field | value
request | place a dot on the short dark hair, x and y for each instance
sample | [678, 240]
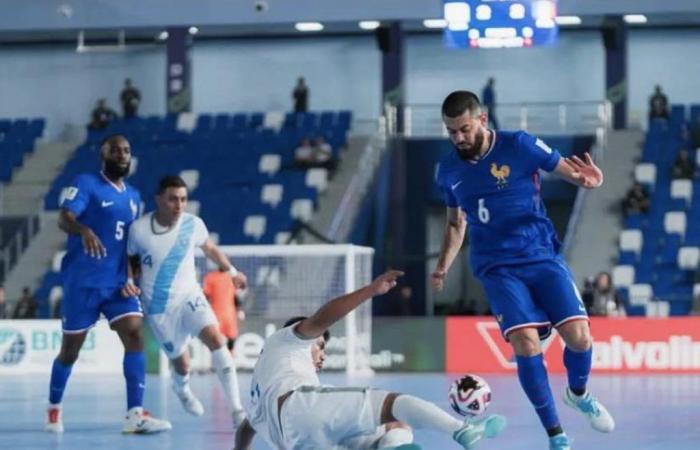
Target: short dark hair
[459, 102]
[169, 181]
[296, 319]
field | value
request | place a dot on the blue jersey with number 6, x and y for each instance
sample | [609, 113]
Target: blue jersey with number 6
[500, 194]
[108, 210]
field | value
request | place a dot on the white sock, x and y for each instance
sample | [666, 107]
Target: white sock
[396, 437]
[181, 382]
[226, 371]
[417, 413]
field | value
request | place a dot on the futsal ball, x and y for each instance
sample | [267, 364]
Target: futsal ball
[470, 395]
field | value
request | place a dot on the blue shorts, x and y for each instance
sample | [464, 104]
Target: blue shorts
[538, 295]
[81, 306]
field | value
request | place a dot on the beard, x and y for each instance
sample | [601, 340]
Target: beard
[472, 151]
[114, 170]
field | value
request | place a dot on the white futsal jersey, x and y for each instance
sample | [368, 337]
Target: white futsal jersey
[175, 306]
[285, 364]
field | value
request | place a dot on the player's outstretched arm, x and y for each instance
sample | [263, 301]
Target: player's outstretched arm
[579, 172]
[455, 228]
[338, 308]
[91, 243]
[244, 436]
[215, 254]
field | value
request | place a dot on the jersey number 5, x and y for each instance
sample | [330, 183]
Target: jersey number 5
[119, 233]
[484, 214]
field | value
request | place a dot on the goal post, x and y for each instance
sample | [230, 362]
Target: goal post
[295, 280]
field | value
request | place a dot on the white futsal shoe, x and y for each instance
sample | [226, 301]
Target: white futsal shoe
[191, 404]
[597, 414]
[139, 421]
[54, 421]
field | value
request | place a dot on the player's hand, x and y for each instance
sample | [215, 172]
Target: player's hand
[384, 282]
[586, 172]
[92, 244]
[240, 280]
[437, 279]
[130, 289]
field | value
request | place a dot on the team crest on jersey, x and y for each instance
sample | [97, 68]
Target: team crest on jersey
[134, 208]
[501, 174]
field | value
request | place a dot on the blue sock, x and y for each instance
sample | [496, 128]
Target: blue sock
[135, 374]
[59, 378]
[578, 367]
[535, 383]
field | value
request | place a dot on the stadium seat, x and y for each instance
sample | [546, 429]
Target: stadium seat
[302, 210]
[688, 258]
[317, 178]
[282, 237]
[193, 207]
[631, 240]
[645, 173]
[271, 194]
[187, 122]
[623, 276]
[640, 294]
[254, 226]
[657, 308]
[682, 189]
[675, 222]
[270, 164]
[273, 120]
[191, 178]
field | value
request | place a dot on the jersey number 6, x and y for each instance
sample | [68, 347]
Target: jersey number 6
[484, 214]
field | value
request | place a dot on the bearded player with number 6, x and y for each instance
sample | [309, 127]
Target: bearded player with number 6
[162, 247]
[492, 178]
[96, 212]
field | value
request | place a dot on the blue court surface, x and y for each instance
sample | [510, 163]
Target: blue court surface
[652, 412]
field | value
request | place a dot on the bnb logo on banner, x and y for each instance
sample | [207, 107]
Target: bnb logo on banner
[636, 345]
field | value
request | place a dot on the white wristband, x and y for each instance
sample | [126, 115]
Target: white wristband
[130, 281]
[232, 271]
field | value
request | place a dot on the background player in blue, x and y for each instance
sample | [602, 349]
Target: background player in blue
[492, 178]
[96, 212]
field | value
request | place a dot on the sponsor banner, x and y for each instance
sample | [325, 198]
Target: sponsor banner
[634, 345]
[398, 344]
[30, 346]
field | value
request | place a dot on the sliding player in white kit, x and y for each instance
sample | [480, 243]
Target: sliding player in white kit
[292, 411]
[164, 242]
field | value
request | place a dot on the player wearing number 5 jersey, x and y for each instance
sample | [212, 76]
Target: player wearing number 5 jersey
[96, 212]
[164, 244]
[492, 177]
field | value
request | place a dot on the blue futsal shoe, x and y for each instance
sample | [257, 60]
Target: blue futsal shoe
[475, 430]
[598, 416]
[559, 442]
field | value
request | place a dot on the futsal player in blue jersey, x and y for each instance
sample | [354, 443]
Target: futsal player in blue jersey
[491, 185]
[96, 211]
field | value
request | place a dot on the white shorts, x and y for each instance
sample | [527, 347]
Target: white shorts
[332, 418]
[181, 320]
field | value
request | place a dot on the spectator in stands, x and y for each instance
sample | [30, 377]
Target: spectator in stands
[323, 154]
[587, 293]
[130, 98]
[102, 115]
[606, 299]
[695, 309]
[301, 96]
[303, 155]
[658, 104]
[636, 201]
[3, 305]
[488, 99]
[695, 133]
[26, 306]
[683, 168]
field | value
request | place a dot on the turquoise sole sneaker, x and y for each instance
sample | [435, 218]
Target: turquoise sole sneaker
[475, 430]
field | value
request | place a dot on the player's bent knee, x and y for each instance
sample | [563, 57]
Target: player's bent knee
[525, 342]
[577, 335]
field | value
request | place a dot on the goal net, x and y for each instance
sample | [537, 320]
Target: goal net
[295, 280]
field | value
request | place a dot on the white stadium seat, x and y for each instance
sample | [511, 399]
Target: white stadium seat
[645, 173]
[657, 309]
[56, 261]
[682, 189]
[688, 258]
[282, 237]
[675, 222]
[268, 276]
[271, 194]
[191, 178]
[193, 207]
[631, 241]
[187, 122]
[302, 209]
[270, 164]
[640, 294]
[255, 226]
[623, 276]
[134, 166]
[696, 290]
[274, 120]
[317, 178]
